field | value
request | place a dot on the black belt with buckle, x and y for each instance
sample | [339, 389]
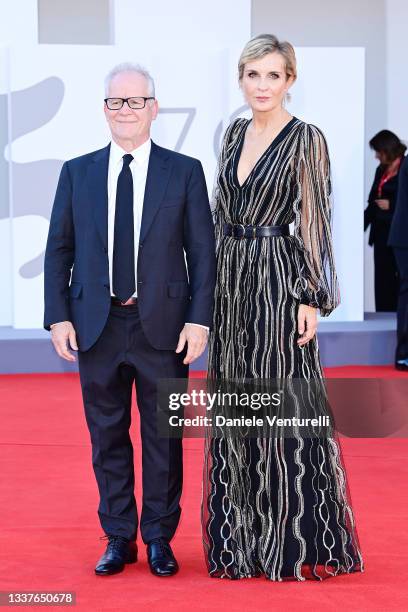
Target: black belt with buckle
[255, 231]
[117, 302]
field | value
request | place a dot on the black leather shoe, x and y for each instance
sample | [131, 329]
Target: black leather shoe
[161, 560]
[118, 552]
[402, 365]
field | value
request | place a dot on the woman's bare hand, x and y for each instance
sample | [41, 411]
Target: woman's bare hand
[307, 323]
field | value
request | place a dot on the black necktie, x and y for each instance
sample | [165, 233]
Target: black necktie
[123, 267]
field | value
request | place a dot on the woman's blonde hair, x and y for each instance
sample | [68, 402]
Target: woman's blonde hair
[263, 44]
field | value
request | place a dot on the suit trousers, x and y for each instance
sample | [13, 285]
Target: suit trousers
[121, 356]
[385, 275]
[401, 256]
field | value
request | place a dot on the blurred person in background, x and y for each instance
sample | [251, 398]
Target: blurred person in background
[389, 151]
[398, 240]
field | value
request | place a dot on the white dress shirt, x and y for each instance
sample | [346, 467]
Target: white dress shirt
[138, 167]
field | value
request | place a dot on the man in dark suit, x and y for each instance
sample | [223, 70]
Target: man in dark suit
[129, 281]
[398, 240]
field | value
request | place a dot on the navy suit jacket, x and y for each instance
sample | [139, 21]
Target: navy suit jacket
[176, 258]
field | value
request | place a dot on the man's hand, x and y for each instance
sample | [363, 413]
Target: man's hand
[196, 338]
[383, 204]
[63, 337]
[307, 323]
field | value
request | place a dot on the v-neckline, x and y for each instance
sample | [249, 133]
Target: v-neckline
[270, 145]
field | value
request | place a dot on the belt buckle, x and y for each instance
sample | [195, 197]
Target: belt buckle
[243, 231]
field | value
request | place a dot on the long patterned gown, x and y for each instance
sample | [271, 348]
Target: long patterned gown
[274, 506]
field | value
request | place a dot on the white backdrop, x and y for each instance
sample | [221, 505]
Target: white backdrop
[193, 59]
[6, 313]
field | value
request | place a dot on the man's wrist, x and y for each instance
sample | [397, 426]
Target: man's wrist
[199, 325]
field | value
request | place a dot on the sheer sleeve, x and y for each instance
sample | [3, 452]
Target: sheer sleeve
[215, 201]
[312, 231]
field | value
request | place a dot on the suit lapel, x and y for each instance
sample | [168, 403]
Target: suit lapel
[158, 175]
[98, 189]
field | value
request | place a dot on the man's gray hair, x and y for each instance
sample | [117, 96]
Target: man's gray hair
[129, 67]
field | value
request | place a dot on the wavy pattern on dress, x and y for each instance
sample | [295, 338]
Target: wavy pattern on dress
[274, 506]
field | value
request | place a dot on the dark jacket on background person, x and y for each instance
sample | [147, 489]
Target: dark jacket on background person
[398, 236]
[398, 240]
[380, 220]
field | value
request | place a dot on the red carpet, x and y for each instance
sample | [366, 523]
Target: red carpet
[49, 528]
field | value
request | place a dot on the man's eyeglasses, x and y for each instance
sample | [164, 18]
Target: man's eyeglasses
[134, 103]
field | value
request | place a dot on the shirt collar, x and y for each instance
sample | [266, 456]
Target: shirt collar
[140, 154]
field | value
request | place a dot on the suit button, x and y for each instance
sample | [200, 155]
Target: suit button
[106, 285]
[140, 282]
[140, 246]
[105, 250]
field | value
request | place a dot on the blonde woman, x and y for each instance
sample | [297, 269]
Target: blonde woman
[277, 507]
